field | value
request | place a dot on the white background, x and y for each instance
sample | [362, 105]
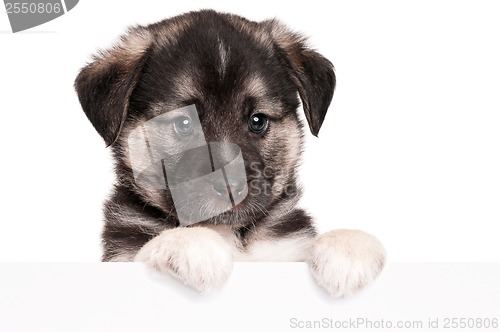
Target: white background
[409, 151]
[83, 297]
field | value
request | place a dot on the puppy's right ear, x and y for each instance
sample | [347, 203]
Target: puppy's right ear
[104, 86]
[312, 74]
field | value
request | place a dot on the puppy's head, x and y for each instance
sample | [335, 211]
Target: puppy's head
[212, 90]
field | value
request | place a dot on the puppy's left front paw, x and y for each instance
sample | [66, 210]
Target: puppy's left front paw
[198, 256]
[344, 261]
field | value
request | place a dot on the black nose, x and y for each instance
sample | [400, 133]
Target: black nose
[236, 186]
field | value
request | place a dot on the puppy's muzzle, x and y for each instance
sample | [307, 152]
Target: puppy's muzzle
[205, 179]
[235, 186]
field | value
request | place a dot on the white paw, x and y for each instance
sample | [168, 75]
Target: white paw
[198, 256]
[344, 261]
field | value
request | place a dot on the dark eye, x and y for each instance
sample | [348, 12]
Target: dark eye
[258, 123]
[183, 125]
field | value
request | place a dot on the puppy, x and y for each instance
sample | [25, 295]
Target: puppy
[183, 104]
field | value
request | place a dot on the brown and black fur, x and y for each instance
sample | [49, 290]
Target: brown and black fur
[177, 62]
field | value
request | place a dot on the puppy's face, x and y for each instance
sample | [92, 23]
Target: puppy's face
[219, 90]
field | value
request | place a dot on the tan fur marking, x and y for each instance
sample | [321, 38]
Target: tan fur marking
[127, 51]
[167, 34]
[253, 30]
[256, 86]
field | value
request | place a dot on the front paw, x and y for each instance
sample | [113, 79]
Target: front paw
[344, 261]
[198, 256]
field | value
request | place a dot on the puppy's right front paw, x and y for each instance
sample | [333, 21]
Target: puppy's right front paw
[344, 261]
[198, 256]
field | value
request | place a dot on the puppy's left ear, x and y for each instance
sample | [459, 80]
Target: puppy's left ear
[312, 74]
[104, 86]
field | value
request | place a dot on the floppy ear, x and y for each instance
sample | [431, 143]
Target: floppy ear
[104, 86]
[312, 74]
